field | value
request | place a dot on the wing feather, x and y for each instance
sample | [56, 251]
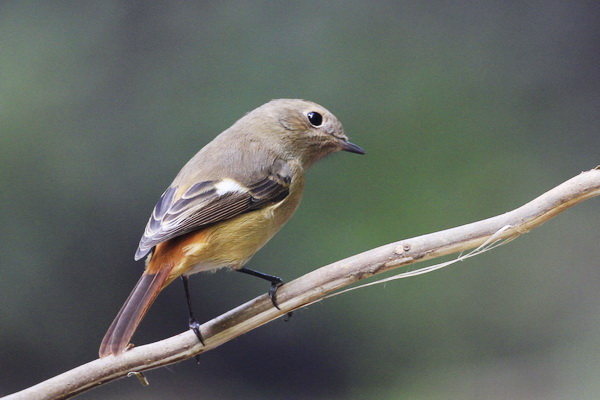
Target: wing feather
[211, 201]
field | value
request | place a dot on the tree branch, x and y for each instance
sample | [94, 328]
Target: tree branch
[316, 284]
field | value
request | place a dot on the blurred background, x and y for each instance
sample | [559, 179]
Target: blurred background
[466, 109]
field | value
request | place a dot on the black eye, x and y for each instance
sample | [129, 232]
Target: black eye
[315, 118]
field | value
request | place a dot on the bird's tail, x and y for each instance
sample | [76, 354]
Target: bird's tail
[129, 317]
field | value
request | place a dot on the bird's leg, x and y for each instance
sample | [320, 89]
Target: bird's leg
[193, 322]
[276, 282]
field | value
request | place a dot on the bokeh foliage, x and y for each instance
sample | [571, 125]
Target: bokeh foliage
[466, 109]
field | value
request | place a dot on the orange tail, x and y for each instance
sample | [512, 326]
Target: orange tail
[129, 317]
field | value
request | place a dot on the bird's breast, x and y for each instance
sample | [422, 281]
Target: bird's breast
[233, 242]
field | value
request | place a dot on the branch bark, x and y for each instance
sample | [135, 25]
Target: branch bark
[314, 286]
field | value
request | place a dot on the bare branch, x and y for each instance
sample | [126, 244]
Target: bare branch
[314, 285]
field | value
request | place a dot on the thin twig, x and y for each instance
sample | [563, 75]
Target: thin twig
[315, 285]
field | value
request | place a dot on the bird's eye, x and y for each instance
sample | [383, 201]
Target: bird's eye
[315, 118]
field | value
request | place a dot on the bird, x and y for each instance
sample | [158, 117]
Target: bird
[227, 202]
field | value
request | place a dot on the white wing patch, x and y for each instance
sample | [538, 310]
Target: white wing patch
[229, 186]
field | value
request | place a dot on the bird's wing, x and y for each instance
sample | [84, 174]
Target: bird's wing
[211, 201]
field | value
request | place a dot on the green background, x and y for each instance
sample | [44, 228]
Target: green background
[466, 109]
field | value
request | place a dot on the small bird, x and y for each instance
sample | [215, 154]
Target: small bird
[227, 202]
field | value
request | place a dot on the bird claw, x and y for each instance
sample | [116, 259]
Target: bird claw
[195, 327]
[273, 297]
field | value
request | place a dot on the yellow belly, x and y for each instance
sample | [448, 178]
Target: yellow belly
[231, 243]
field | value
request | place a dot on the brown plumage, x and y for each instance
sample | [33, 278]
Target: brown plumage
[228, 201]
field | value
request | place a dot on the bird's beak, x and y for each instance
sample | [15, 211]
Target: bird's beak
[351, 147]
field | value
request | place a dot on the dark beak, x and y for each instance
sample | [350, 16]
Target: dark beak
[351, 147]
